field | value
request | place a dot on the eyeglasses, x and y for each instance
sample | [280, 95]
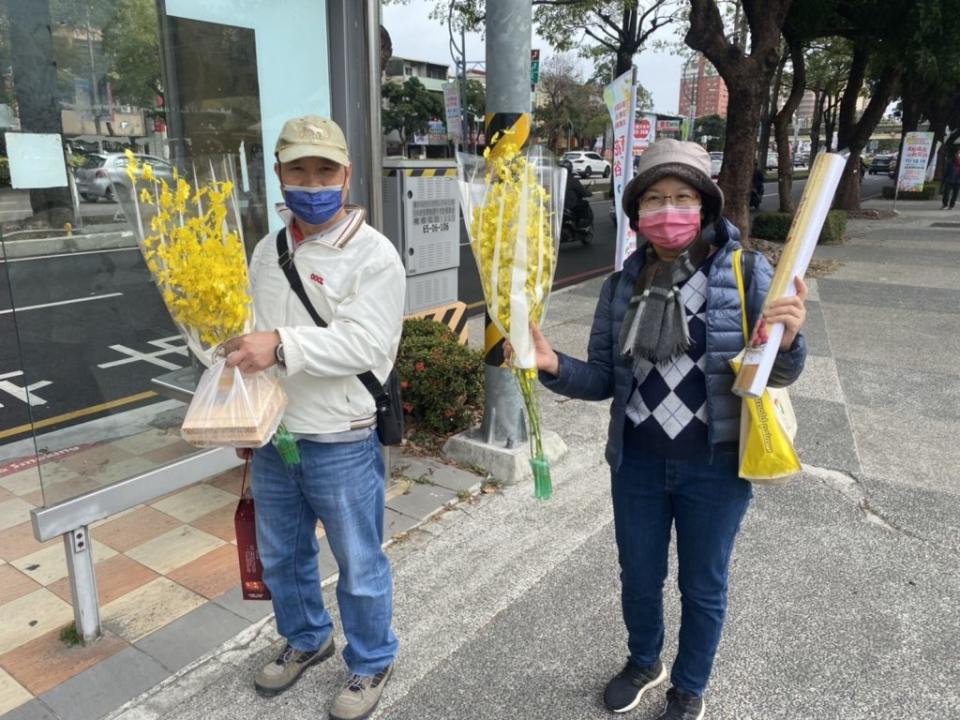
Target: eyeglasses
[655, 201]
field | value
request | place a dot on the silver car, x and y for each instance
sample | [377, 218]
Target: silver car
[101, 172]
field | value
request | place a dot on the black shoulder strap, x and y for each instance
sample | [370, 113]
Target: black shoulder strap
[285, 258]
[748, 260]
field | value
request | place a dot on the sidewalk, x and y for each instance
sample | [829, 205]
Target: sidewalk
[844, 585]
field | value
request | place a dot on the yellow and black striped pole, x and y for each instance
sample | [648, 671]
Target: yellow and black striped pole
[508, 33]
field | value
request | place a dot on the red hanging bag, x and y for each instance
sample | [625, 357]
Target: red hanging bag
[244, 523]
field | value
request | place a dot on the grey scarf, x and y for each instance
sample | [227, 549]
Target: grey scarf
[654, 327]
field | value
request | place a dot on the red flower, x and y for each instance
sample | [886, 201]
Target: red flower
[448, 413]
[404, 385]
[420, 367]
[407, 407]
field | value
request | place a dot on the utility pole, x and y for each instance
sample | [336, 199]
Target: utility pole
[508, 33]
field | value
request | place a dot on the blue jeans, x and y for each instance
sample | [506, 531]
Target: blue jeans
[706, 502]
[342, 485]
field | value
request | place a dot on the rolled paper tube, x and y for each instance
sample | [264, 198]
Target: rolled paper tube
[798, 250]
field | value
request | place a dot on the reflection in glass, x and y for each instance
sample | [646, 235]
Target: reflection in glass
[91, 332]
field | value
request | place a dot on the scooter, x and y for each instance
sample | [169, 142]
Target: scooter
[571, 230]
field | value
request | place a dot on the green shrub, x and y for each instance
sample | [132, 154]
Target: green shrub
[4, 171]
[441, 380]
[775, 226]
[929, 192]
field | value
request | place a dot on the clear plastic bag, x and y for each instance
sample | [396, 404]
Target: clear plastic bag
[230, 409]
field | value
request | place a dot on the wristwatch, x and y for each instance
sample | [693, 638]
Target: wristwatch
[278, 354]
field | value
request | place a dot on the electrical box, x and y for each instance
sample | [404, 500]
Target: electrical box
[421, 216]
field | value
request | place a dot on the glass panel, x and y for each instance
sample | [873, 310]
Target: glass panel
[87, 388]
[92, 331]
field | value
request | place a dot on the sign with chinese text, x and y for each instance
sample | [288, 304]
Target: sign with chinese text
[644, 133]
[620, 97]
[451, 102]
[912, 166]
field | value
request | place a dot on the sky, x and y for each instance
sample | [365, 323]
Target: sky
[414, 35]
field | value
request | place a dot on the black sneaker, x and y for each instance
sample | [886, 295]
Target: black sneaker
[624, 691]
[681, 706]
[279, 674]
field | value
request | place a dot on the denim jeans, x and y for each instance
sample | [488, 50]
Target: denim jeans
[342, 485]
[706, 501]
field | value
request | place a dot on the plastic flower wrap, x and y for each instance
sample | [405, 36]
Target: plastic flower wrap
[513, 204]
[199, 264]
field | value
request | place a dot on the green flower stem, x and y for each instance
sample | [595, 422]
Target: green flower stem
[542, 485]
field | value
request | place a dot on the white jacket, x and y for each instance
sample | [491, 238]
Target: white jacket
[357, 284]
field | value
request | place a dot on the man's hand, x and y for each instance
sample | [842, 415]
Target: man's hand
[791, 311]
[253, 352]
[244, 453]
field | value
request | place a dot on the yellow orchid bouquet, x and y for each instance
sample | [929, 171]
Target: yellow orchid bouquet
[513, 205]
[200, 266]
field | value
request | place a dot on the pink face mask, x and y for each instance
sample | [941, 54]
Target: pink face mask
[670, 227]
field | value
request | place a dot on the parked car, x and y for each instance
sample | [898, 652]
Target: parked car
[716, 162]
[100, 172]
[773, 162]
[586, 163]
[881, 164]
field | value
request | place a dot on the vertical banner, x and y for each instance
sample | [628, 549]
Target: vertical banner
[620, 97]
[644, 133]
[451, 102]
[912, 167]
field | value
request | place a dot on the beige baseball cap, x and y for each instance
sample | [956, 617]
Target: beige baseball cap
[312, 136]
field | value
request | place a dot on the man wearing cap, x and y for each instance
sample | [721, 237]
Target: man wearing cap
[663, 334]
[353, 277]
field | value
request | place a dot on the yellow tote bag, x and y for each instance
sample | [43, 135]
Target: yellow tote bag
[768, 424]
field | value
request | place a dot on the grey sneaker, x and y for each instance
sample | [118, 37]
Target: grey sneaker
[286, 669]
[360, 695]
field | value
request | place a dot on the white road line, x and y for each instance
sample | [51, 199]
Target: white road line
[62, 302]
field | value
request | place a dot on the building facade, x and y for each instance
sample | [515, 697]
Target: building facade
[702, 91]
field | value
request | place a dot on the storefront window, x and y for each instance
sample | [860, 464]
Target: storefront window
[182, 84]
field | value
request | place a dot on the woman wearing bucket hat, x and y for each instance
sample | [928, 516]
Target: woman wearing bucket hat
[663, 333]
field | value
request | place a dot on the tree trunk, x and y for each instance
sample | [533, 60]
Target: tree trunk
[848, 104]
[782, 124]
[911, 97]
[747, 78]
[35, 86]
[848, 194]
[830, 123]
[815, 124]
[737, 171]
[769, 112]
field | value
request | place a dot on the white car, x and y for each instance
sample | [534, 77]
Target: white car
[586, 163]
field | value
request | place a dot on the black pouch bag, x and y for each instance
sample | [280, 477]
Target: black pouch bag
[386, 396]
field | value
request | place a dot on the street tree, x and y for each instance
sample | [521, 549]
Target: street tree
[621, 27]
[476, 108]
[828, 65]
[748, 76]
[409, 107]
[131, 43]
[713, 128]
[557, 117]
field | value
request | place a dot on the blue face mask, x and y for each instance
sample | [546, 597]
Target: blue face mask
[314, 205]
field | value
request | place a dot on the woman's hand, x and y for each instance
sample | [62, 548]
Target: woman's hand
[546, 358]
[791, 311]
[252, 352]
